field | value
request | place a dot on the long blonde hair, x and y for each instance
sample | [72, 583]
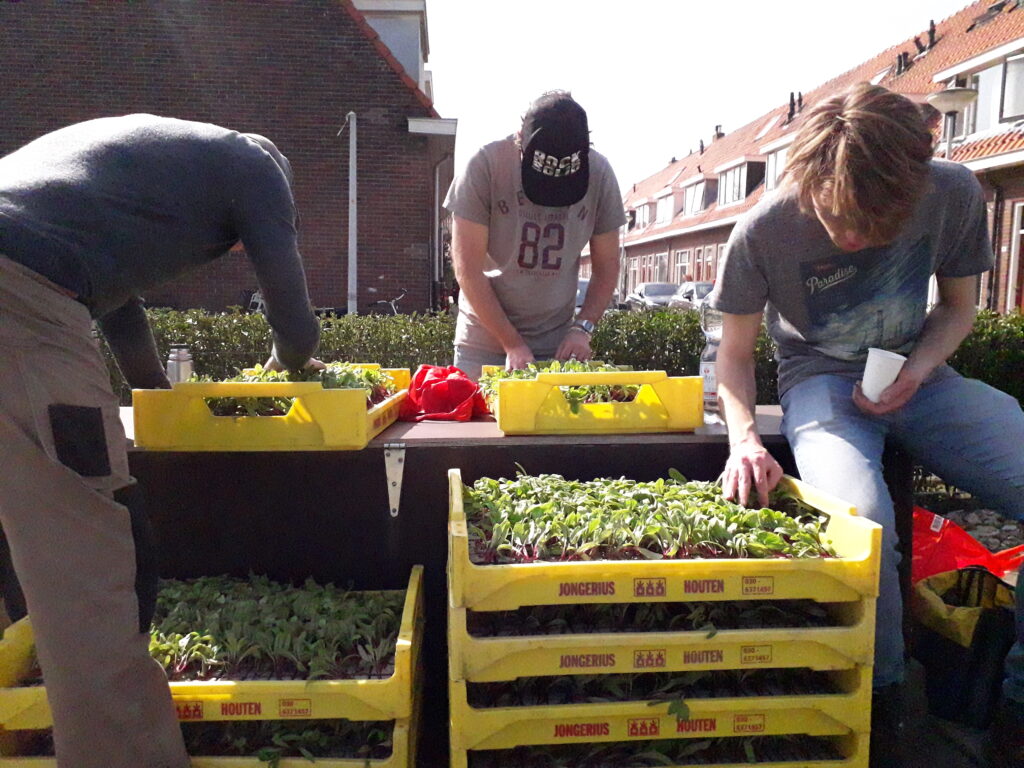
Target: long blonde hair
[862, 156]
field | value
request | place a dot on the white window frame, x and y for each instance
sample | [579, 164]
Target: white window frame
[1013, 267]
[663, 210]
[682, 264]
[693, 198]
[774, 165]
[732, 185]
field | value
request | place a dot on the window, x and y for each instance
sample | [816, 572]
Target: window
[698, 263]
[776, 164]
[983, 113]
[642, 216]
[664, 210]
[682, 265]
[662, 265]
[1013, 88]
[731, 185]
[693, 201]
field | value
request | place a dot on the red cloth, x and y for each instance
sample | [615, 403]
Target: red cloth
[941, 545]
[442, 393]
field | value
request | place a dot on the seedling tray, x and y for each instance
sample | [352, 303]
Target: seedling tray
[26, 708]
[488, 659]
[852, 575]
[508, 727]
[319, 419]
[853, 747]
[402, 756]
[538, 407]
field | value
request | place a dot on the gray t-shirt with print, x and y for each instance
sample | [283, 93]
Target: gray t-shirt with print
[532, 250]
[826, 307]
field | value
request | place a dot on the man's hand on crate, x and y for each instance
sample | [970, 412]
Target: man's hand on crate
[750, 466]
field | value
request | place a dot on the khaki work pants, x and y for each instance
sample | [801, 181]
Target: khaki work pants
[62, 456]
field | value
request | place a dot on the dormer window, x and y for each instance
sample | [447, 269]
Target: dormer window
[693, 198]
[738, 179]
[775, 164]
[663, 212]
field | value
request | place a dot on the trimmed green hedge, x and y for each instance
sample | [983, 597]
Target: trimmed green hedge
[222, 344]
[672, 341]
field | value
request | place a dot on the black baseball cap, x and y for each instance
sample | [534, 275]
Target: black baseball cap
[556, 150]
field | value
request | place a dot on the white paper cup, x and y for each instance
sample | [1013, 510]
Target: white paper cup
[881, 370]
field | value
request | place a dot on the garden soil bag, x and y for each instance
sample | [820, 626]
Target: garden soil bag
[442, 393]
[964, 629]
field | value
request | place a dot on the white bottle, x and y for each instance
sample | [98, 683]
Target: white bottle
[711, 324]
[179, 364]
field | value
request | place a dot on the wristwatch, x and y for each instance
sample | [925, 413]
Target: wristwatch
[583, 325]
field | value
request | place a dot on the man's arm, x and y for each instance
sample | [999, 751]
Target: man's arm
[947, 325]
[130, 338]
[469, 255]
[604, 260]
[749, 464]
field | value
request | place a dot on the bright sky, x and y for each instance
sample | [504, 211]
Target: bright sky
[655, 76]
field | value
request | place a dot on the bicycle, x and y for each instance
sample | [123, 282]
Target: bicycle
[382, 306]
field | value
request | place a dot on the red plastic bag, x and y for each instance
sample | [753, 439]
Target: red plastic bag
[941, 545]
[442, 393]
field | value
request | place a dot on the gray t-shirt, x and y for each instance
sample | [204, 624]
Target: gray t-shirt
[110, 207]
[532, 250]
[825, 307]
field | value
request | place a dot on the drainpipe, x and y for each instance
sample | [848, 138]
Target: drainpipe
[438, 253]
[353, 258]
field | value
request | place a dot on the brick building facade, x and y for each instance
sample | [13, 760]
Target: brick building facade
[288, 70]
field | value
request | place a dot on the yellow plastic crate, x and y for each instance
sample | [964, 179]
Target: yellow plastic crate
[508, 727]
[403, 755]
[489, 659]
[538, 407]
[26, 708]
[853, 747]
[853, 575]
[320, 419]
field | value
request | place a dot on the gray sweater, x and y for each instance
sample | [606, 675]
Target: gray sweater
[111, 207]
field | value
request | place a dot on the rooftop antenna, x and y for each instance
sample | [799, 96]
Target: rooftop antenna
[931, 34]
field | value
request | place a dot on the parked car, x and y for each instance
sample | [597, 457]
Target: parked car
[691, 295]
[650, 296]
[581, 294]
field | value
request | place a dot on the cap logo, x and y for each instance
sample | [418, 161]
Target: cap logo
[550, 165]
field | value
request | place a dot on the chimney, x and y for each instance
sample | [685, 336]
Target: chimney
[799, 101]
[899, 63]
[699, 170]
[931, 34]
[718, 133]
[672, 161]
[919, 45]
[702, 146]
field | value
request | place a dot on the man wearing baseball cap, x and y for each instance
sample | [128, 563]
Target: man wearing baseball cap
[524, 209]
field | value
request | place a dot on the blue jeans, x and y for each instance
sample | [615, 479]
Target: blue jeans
[966, 432]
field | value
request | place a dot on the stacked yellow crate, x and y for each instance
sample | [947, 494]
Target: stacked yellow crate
[392, 699]
[848, 583]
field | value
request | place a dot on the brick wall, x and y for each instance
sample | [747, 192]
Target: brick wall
[287, 69]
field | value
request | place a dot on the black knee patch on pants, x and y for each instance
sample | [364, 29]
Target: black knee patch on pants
[146, 568]
[80, 440]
